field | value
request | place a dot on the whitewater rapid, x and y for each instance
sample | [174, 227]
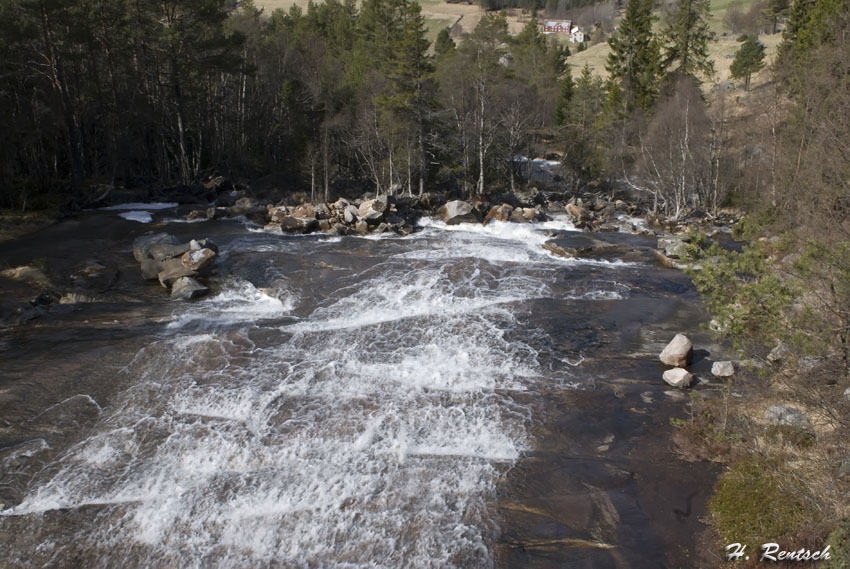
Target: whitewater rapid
[360, 419]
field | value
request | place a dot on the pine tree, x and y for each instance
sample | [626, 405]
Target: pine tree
[562, 106]
[444, 42]
[635, 58]
[687, 37]
[748, 60]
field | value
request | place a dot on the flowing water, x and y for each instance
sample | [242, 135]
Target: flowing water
[347, 402]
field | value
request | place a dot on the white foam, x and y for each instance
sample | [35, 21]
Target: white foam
[239, 301]
[140, 206]
[140, 216]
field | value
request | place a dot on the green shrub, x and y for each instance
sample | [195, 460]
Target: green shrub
[753, 504]
[839, 547]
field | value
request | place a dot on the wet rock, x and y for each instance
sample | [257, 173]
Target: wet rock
[162, 251]
[27, 273]
[292, 224]
[679, 352]
[196, 214]
[517, 216]
[142, 245]
[277, 213]
[787, 415]
[199, 259]
[340, 204]
[499, 213]
[151, 269]
[324, 225]
[674, 246]
[578, 213]
[186, 288]
[245, 206]
[78, 298]
[429, 200]
[458, 211]
[678, 377]
[361, 227]
[196, 244]
[722, 369]
[579, 245]
[216, 212]
[172, 270]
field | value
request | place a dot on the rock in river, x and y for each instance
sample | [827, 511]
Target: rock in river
[458, 211]
[142, 245]
[186, 288]
[679, 352]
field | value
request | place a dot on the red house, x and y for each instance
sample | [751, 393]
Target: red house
[557, 26]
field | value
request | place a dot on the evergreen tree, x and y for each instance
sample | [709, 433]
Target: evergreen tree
[562, 105]
[687, 37]
[444, 42]
[748, 60]
[412, 72]
[635, 58]
[773, 10]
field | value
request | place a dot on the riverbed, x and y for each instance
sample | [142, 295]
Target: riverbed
[458, 397]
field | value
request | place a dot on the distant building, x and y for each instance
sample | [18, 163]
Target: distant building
[557, 26]
[576, 35]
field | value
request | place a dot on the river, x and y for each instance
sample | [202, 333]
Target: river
[459, 397]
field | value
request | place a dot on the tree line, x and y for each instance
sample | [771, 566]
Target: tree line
[134, 91]
[342, 97]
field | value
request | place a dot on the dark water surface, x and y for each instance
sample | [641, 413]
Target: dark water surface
[456, 398]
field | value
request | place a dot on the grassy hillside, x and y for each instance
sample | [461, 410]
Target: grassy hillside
[439, 15]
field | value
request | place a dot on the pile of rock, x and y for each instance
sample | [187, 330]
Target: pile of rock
[678, 354]
[507, 212]
[176, 265]
[383, 214]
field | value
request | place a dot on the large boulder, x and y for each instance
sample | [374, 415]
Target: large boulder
[151, 269]
[142, 245]
[199, 259]
[196, 244]
[305, 210]
[678, 377]
[349, 214]
[186, 288]
[674, 246]
[245, 206]
[162, 251]
[458, 211]
[787, 415]
[173, 269]
[578, 213]
[679, 352]
[499, 213]
[292, 224]
[372, 211]
[722, 369]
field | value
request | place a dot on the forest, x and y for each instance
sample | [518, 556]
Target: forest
[342, 98]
